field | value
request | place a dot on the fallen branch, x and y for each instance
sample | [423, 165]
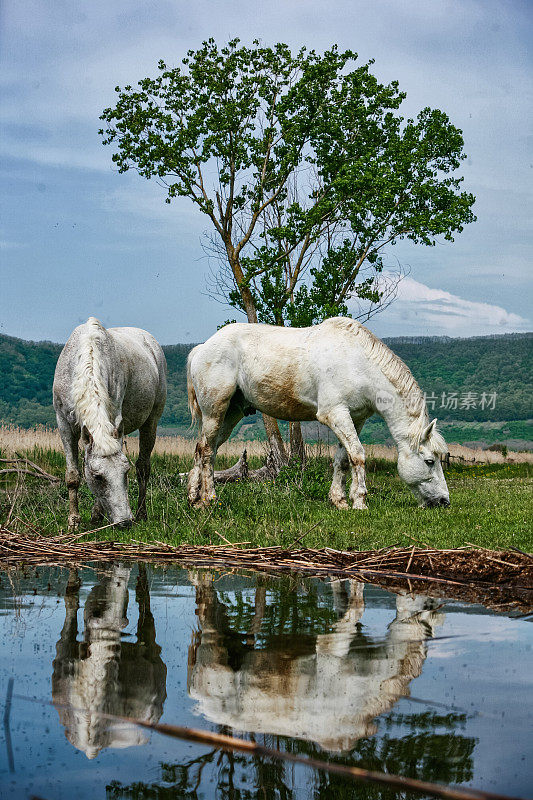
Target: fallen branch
[238, 472]
[21, 471]
[35, 466]
[21, 468]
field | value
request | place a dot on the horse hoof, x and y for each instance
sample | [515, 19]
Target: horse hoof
[360, 506]
[340, 503]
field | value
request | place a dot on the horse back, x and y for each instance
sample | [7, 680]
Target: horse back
[287, 373]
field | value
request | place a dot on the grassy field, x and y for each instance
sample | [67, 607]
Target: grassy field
[491, 507]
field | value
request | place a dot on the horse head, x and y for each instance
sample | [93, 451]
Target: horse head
[420, 468]
[107, 478]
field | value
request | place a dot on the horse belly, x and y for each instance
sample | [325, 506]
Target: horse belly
[279, 390]
[138, 403]
[287, 408]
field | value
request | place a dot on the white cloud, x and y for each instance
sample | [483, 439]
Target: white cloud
[431, 311]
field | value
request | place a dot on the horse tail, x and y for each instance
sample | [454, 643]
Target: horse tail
[194, 408]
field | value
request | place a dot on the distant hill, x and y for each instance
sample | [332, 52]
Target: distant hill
[481, 379]
[26, 376]
[493, 364]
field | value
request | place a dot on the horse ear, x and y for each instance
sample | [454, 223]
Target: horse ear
[429, 431]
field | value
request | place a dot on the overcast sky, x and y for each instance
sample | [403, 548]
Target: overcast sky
[78, 239]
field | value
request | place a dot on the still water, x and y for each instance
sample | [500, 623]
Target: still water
[436, 690]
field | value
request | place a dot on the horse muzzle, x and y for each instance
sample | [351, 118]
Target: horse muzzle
[443, 502]
[125, 523]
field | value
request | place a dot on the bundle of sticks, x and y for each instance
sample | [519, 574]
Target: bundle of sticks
[468, 565]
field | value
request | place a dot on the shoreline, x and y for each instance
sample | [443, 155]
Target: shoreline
[498, 579]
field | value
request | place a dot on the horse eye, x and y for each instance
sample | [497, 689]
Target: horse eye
[429, 461]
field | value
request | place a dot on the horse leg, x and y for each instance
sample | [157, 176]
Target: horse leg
[233, 415]
[340, 422]
[194, 480]
[147, 434]
[97, 514]
[69, 439]
[337, 492]
[201, 483]
[215, 430]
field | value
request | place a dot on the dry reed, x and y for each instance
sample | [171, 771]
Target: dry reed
[13, 439]
[463, 566]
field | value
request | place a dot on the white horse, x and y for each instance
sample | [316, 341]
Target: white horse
[108, 383]
[338, 373]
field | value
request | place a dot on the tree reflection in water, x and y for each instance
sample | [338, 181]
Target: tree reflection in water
[104, 673]
[296, 674]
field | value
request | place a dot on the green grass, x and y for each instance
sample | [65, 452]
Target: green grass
[491, 507]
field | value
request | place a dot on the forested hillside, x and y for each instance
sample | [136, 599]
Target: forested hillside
[486, 379]
[26, 376]
[499, 365]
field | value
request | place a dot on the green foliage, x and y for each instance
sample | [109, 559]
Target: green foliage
[501, 364]
[27, 371]
[176, 409]
[316, 170]
[460, 432]
[226, 322]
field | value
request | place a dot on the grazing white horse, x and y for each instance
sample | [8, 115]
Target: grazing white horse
[108, 383]
[338, 373]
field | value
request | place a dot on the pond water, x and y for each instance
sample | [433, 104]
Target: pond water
[436, 690]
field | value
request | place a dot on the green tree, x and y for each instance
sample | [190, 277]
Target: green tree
[302, 164]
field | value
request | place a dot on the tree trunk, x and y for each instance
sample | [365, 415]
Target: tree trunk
[297, 445]
[276, 443]
[277, 457]
[238, 472]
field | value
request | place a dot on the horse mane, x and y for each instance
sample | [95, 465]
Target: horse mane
[90, 396]
[401, 377]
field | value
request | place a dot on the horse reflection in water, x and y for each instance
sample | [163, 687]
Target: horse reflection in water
[104, 673]
[327, 688]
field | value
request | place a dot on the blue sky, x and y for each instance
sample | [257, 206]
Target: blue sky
[78, 239]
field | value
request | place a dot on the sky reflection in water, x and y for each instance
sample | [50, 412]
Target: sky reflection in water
[395, 683]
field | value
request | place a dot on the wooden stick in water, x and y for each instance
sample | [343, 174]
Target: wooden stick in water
[253, 748]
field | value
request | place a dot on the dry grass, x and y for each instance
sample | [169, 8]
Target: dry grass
[13, 438]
